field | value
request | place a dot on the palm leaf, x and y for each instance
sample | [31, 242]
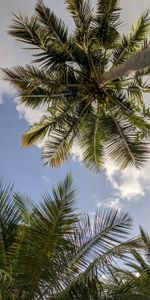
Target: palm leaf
[47, 240]
[96, 248]
[37, 132]
[55, 27]
[81, 12]
[110, 228]
[134, 40]
[10, 216]
[91, 141]
[36, 87]
[107, 22]
[30, 31]
[123, 146]
[57, 148]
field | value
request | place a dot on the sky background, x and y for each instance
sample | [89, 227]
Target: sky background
[129, 190]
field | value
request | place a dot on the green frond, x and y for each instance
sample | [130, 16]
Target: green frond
[6, 284]
[57, 29]
[134, 40]
[25, 30]
[25, 207]
[57, 149]
[145, 237]
[54, 26]
[142, 124]
[37, 132]
[59, 207]
[81, 12]
[106, 22]
[140, 263]
[87, 290]
[91, 141]
[35, 86]
[42, 254]
[50, 51]
[123, 145]
[10, 216]
[135, 95]
[111, 226]
[96, 247]
[58, 115]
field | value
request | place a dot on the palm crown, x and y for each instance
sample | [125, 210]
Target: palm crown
[48, 251]
[84, 81]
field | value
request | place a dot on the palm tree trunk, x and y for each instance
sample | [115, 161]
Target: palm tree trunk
[137, 62]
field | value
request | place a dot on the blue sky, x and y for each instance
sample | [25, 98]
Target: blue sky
[23, 167]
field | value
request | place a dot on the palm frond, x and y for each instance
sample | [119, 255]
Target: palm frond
[50, 52]
[96, 248]
[37, 132]
[81, 12]
[25, 30]
[57, 149]
[42, 251]
[58, 115]
[91, 141]
[36, 87]
[54, 26]
[134, 40]
[10, 216]
[124, 147]
[110, 228]
[106, 22]
[89, 289]
[25, 207]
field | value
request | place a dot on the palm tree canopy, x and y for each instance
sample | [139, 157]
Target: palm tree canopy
[134, 281]
[49, 251]
[84, 82]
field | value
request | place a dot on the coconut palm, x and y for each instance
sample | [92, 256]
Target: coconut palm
[84, 82]
[48, 251]
[134, 281]
[140, 275]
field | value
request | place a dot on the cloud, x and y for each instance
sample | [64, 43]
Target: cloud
[1, 98]
[29, 115]
[114, 204]
[129, 184]
[76, 152]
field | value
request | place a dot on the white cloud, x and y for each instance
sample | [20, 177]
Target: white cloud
[30, 115]
[129, 184]
[114, 203]
[76, 152]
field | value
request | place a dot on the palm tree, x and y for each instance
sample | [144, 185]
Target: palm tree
[48, 251]
[84, 82]
[140, 275]
[134, 281]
